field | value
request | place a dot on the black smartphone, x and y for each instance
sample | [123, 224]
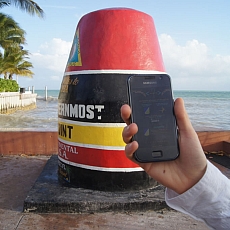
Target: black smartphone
[152, 104]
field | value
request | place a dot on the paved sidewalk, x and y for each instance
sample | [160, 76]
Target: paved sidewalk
[19, 173]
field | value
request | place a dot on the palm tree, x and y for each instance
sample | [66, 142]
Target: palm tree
[29, 6]
[12, 37]
[12, 57]
[3, 3]
[15, 63]
[10, 32]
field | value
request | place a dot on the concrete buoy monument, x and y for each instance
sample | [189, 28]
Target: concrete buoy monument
[109, 45]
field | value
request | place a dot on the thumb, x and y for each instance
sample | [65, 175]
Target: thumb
[183, 121]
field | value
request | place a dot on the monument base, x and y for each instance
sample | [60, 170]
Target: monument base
[104, 181]
[48, 195]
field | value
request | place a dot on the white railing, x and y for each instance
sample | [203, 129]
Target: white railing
[10, 102]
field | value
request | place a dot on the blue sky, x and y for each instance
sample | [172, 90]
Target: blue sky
[194, 37]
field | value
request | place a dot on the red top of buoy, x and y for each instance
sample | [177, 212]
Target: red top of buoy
[115, 39]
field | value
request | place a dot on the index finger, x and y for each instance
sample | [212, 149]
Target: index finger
[126, 113]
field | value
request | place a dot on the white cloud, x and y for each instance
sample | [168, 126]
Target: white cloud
[193, 67]
[56, 47]
[53, 55]
[49, 64]
[56, 78]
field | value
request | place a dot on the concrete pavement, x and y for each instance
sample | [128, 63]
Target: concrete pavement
[19, 173]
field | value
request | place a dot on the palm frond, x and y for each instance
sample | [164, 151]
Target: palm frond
[4, 3]
[29, 6]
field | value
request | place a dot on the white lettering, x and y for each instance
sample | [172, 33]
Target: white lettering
[67, 110]
[90, 112]
[63, 148]
[73, 110]
[99, 107]
[80, 110]
[61, 109]
[62, 153]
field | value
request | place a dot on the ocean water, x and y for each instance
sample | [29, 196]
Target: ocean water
[43, 117]
[208, 111]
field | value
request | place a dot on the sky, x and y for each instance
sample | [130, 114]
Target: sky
[194, 38]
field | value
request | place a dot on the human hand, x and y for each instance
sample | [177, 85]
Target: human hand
[180, 174]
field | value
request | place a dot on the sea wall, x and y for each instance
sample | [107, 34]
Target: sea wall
[12, 101]
[215, 141]
[46, 143]
[28, 143]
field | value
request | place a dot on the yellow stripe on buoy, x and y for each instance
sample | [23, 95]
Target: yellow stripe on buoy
[101, 134]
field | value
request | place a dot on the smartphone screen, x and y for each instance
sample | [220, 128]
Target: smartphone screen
[152, 105]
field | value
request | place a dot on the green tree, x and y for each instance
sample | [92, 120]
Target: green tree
[10, 33]
[15, 63]
[12, 56]
[29, 6]
[12, 37]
